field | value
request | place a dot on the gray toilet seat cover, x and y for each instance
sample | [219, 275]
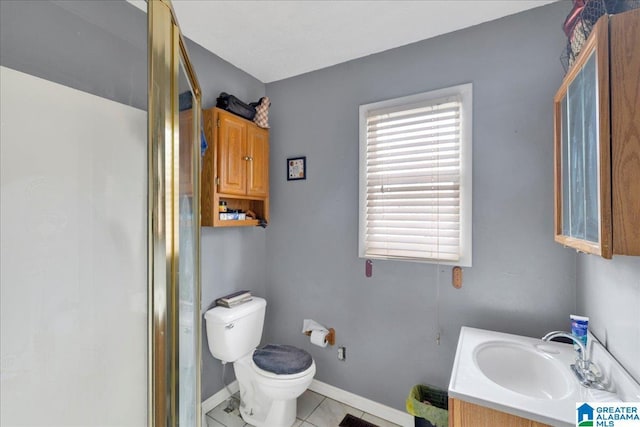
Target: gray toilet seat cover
[282, 359]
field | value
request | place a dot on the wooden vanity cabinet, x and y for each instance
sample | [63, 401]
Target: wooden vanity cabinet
[597, 142]
[465, 414]
[235, 169]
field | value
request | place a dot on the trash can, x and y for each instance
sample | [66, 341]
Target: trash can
[429, 406]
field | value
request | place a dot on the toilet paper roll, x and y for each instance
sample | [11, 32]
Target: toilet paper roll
[319, 338]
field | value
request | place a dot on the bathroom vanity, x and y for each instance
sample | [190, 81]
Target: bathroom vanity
[505, 379]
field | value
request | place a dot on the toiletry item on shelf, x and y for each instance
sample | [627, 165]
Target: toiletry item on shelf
[234, 299]
[579, 328]
[232, 215]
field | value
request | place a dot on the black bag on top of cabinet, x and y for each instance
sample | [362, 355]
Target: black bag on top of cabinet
[233, 105]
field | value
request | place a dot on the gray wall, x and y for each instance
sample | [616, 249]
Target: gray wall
[99, 47]
[216, 75]
[231, 259]
[608, 291]
[521, 281]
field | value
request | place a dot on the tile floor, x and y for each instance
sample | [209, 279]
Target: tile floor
[314, 410]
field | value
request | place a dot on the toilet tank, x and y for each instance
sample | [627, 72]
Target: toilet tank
[234, 332]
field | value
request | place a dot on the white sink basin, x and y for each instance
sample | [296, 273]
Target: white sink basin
[518, 375]
[530, 378]
[524, 369]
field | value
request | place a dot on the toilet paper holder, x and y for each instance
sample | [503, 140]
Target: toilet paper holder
[331, 336]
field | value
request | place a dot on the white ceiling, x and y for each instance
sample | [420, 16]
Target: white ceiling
[273, 40]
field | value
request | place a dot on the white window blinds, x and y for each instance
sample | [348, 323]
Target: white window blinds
[412, 195]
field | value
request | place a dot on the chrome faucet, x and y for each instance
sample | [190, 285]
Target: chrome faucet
[582, 359]
[583, 368]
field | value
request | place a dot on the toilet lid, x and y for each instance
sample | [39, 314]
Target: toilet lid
[282, 359]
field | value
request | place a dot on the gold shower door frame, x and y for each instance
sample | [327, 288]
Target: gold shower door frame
[167, 52]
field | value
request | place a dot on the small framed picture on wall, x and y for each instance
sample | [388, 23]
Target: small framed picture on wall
[296, 168]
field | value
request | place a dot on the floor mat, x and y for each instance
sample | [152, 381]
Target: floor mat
[351, 421]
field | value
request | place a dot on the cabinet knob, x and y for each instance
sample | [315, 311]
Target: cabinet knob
[248, 159]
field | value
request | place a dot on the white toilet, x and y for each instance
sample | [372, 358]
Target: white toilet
[272, 378]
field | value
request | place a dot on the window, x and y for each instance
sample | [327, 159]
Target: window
[415, 177]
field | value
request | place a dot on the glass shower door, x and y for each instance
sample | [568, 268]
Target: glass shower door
[188, 266]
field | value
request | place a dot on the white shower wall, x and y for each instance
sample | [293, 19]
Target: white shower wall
[73, 342]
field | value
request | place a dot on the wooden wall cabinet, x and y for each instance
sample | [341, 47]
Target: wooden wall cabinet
[465, 414]
[235, 168]
[597, 142]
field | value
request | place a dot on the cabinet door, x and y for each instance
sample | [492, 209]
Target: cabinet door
[625, 131]
[231, 155]
[465, 414]
[582, 183]
[258, 162]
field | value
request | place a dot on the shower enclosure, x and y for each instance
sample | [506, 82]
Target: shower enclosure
[99, 261]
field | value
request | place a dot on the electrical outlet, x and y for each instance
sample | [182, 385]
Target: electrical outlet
[342, 353]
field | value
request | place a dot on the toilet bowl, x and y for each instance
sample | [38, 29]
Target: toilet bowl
[269, 399]
[282, 387]
[271, 378]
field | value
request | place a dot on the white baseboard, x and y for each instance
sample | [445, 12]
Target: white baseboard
[217, 399]
[369, 406]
